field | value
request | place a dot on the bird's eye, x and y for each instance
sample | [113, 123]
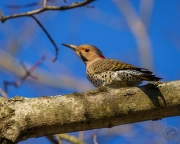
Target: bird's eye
[86, 50]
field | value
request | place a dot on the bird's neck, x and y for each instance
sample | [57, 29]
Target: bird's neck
[88, 63]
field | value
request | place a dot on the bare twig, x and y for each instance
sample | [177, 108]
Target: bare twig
[52, 139]
[146, 8]
[37, 11]
[67, 81]
[23, 66]
[138, 30]
[48, 35]
[1, 15]
[81, 135]
[28, 74]
[45, 1]
[70, 138]
[66, 137]
[94, 135]
[59, 139]
[95, 139]
[3, 93]
[26, 5]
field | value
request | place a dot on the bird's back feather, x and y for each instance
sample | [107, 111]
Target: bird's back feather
[105, 65]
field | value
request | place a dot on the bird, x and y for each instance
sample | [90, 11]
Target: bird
[111, 73]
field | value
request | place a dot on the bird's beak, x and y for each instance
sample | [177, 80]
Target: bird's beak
[73, 47]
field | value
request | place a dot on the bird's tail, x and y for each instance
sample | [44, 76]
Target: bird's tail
[149, 77]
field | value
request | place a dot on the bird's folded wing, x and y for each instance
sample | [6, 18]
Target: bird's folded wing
[105, 65]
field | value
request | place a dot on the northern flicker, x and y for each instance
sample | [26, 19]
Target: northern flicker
[109, 72]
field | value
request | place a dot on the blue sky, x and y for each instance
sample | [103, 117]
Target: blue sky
[105, 27]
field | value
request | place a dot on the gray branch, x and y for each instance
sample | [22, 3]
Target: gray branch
[45, 8]
[23, 118]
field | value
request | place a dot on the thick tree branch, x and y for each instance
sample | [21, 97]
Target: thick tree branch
[23, 118]
[45, 8]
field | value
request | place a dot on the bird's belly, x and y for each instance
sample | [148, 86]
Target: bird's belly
[114, 79]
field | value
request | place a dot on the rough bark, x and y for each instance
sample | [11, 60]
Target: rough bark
[22, 118]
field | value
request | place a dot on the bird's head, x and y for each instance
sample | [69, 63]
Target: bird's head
[86, 52]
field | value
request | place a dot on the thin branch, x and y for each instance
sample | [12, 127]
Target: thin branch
[3, 93]
[11, 64]
[45, 1]
[59, 139]
[52, 139]
[26, 70]
[1, 15]
[23, 66]
[49, 37]
[81, 135]
[70, 138]
[37, 64]
[26, 5]
[37, 11]
[28, 74]
[94, 136]
[95, 139]
[139, 31]
[146, 8]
